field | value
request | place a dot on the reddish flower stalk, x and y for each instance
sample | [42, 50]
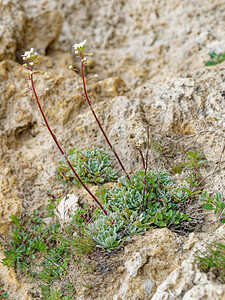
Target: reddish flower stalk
[99, 124]
[79, 51]
[145, 165]
[55, 139]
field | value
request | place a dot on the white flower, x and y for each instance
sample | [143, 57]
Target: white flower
[29, 55]
[95, 76]
[71, 67]
[31, 63]
[46, 90]
[79, 48]
[139, 143]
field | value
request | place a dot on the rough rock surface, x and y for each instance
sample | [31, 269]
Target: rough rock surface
[143, 40]
[12, 25]
[148, 262]
[149, 55]
[188, 282]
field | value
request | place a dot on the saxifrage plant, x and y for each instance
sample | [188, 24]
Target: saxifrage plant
[135, 203]
[91, 164]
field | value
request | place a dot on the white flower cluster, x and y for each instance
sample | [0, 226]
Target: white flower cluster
[79, 48]
[30, 55]
[139, 143]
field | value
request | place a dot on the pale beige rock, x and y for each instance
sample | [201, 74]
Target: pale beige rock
[187, 281]
[3, 70]
[12, 24]
[141, 40]
[42, 30]
[149, 261]
[7, 42]
[66, 208]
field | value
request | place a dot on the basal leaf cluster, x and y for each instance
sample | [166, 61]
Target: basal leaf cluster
[126, 213]
[91, 164]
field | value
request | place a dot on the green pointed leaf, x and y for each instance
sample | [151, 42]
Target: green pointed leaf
[218, 197]
[210, 63]
[208, 206]
[222, 205]
[212, 55]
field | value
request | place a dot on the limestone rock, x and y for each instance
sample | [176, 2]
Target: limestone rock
[149, 260]
[11, 28]
[66, 208]
[187, 281]
[42, 30]
[142, 40]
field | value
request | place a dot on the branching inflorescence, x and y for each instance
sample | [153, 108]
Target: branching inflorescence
[31, 57]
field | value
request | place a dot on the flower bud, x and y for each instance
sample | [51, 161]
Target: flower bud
[31, 63]
[91, 54]
[71, 67]
[78, 88]
[95, 76]
[25, 65]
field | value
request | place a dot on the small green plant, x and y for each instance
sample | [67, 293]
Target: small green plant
[215, 204]
[56, 294]
[3, 295]
[213, 258]
[37, 242]
[52, 203]
[43, 252]
[215, 59]
[126, 214]
[176, 169]
[193, 162]
[91, 164]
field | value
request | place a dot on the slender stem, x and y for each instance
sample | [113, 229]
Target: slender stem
[145, 168]
[59, 147]
[142, 157]
[146, 161]
[99, 124]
